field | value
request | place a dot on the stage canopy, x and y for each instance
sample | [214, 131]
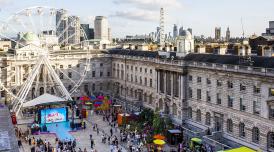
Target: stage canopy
[43, 99]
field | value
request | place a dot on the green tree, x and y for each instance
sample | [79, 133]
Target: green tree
[158, 124]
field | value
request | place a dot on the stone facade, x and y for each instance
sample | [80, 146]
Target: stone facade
[234, 100]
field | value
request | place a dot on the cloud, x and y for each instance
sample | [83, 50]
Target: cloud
[150, 4]
[5, 2]
[140, 15]
[88, 20]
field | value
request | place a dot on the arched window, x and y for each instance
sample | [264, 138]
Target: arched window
[41, 90]
[14, 91]
[208, 119]
[33, 93]
[136, 94]
[93, 87]
[145, 97]
[121, 87]
[270, 140]
[255, 135]
[131, 92]
[150, 99]
[242, 129]
[70, 87]
[198, 115]
[189, 112]
[52, 90]
[161, 104]
[174, 109]
[229, 125]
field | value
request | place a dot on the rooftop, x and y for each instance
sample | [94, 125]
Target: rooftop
[255, 61]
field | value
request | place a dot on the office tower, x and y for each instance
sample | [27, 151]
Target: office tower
[73, 30]
[61, 26]
[109, 35]
[101, 28]
[175, 31]
[218, 33]
[190, 30]
[227, 34]
[270, 30]
[157, 34]
[181, 31]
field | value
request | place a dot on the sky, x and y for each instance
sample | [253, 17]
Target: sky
[131, 17]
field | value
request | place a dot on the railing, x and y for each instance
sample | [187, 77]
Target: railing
[234, 68]
[225, 67]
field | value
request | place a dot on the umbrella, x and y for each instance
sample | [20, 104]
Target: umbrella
[100, 97]
[159, 142]
[88, 103]
[197, 140]
[85, 98]
[158, 136]
[92, 97]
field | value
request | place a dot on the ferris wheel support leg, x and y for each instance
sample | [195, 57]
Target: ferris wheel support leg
[28, 79]
[26, 89]
[19, 94]
[55, 77]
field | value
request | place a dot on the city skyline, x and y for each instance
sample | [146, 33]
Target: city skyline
[130, 17]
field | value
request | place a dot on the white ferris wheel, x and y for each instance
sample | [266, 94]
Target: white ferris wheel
[33, 32]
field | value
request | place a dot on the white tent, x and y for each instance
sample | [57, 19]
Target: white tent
[43, 99]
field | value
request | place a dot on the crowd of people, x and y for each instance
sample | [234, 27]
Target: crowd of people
[115, 139]
[40, 145]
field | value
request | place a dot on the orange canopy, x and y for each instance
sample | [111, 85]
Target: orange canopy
[158, 136]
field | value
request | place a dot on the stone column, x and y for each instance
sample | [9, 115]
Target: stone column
[171, 83]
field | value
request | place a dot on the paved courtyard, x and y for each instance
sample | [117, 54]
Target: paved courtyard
[82, 136]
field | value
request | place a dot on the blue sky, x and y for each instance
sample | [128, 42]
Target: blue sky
[130, 17]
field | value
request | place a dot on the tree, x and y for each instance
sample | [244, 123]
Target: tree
[158, 124]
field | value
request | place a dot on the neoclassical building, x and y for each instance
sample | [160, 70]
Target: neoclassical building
[232, 96]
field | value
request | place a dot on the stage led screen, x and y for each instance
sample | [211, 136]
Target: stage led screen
[54, 115]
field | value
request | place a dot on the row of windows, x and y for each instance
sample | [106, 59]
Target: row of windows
[230, 101]
[229, 84]
[135, 79]
[78, 65]
[69, 66]
[132, 67]
[230, 126]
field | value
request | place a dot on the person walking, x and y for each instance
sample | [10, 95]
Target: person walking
[111, 132]
[91, 143]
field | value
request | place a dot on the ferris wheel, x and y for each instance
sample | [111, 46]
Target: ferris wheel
[45, 43]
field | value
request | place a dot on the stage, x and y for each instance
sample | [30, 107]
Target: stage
[60, 129]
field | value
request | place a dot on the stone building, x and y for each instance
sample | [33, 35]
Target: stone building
[227, 95]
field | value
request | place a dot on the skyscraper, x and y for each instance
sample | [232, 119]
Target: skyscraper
[101, 28]
[217, 33]
[61, 26]
[227, 34]
[181, 31]
[109, 34]
[190, 30]
[175, 31]
[73, 30]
